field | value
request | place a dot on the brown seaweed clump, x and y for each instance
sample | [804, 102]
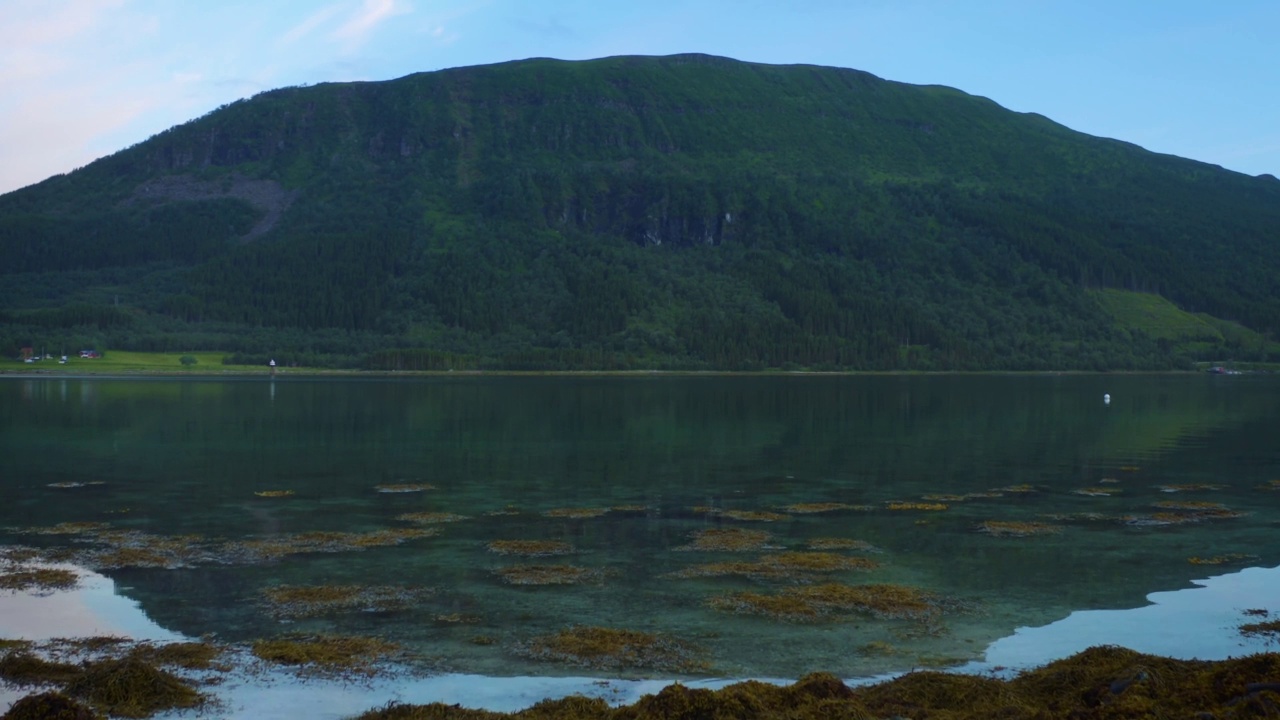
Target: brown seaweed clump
[41, 581]
[728, 540]
[1014, 528]
[1019, 489]
[834, 601]
[530, 548]
[1097, 491]
[600, 648]
[826, 507]
[944, 497]
[298, 601]
[795, 566]
[1181, 517]
[274, 548]
[1115, 682]
[754, 515]
[96, 644]
[825, 543]
[186, 655]
[927, 507]
[23, 667]
[274, 493]
[1192, 505]
[1269, 629]
[1222, 559]
[132, 688]
[1098, 683]
[1082, 517]
[50, 705]
[431, 518]
[130, 548]
[575, 513]
[327, 653]
[547, 575]
[1189, 487]
[114, 549]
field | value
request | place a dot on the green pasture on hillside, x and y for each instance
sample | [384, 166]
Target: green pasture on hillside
[123, 361]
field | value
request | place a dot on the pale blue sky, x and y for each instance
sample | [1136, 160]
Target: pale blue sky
[1199, 78]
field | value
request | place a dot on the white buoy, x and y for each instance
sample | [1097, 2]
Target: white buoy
[1106, 398]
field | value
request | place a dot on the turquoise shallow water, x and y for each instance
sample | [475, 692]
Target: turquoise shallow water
[662, 459]
[1198, 622]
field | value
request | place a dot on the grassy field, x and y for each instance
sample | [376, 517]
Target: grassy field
[1197, 334]
[124, 362]
[1156, 316]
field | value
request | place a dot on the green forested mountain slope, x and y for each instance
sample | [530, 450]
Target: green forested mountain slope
[673, 212]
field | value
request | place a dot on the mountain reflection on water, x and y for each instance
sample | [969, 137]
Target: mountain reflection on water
[1171, 482]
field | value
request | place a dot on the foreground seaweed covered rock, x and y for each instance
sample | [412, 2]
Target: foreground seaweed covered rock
[1101, 682]
[51, 706]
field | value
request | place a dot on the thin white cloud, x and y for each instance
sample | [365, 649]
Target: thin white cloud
[308, 26]
[372, 13]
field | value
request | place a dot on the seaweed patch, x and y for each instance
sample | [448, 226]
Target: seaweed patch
[1019, 489]
[728, 540]
[274, 548]
[530, 548]
[899, 505]
[186, 655]
[834, 601]
[431, 518]
[829, 543]
[51, 705]
[132, 688]
[1189, 487]
[548, 575]
[826, 507]
[1013, 528]
[754, 515]
[1185, 517]
[298, 601]
[1097, 491]
[794, 566]
[1193, 505]
[40, 581]
[600, 648]
[1229, 558]
[328, 653]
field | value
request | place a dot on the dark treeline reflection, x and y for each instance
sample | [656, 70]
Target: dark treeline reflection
[492, 429]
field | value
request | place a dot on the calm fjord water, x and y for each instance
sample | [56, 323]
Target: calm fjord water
[660, 458]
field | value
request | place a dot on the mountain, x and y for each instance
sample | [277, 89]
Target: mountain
[645, 212]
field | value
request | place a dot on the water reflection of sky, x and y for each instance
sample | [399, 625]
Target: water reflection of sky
[1200, 622]
[92, 609]
[1197, 623]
